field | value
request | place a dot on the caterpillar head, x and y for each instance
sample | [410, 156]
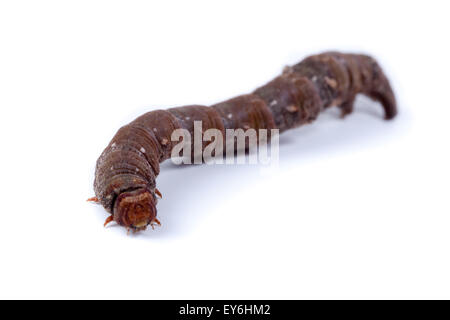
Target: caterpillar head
[135, 209]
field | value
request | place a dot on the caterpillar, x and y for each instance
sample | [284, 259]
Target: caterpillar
[126, 171]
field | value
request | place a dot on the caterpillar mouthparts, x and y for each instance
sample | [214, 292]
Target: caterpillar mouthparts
[135, 209]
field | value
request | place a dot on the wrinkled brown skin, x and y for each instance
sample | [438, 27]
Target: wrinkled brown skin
[126, 170]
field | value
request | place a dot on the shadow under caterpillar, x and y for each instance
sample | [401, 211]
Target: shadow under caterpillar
[126, 171]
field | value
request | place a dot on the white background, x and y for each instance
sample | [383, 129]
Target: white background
[357, 209]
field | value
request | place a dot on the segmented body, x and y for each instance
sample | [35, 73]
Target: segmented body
[125, 178]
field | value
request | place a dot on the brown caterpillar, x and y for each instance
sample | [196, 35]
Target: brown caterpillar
[126, 170]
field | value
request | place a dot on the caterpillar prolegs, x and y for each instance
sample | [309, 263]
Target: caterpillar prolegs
[125, 177]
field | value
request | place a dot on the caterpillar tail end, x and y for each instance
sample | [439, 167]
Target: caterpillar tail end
[378, 87]
[386, 97]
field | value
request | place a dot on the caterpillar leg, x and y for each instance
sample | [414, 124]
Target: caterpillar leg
[108, 220]
[155, 222]
[158, 193]
[347, 107]
[93, 199]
